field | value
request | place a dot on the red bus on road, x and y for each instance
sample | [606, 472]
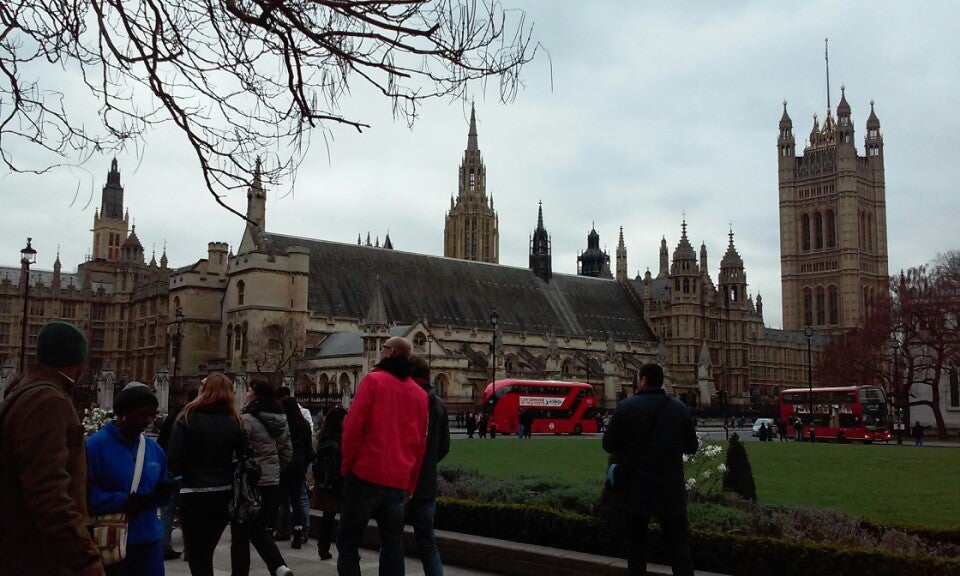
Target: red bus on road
[841, 413]
[557, 407]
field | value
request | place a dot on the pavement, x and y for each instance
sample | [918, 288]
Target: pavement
[463, 555]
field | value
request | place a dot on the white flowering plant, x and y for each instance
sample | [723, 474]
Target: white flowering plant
[704, 471]
[95, 419]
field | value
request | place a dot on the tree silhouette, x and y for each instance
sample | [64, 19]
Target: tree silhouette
[738, 477]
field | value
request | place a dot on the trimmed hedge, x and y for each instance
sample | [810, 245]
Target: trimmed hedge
[726, 553]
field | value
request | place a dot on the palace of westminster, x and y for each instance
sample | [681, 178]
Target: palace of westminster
[314, 312]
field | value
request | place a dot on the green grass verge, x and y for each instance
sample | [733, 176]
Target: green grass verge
[901, 485]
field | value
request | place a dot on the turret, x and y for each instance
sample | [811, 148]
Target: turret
[621, 258]
[733, 279]
[256, 212]
[874, 140]
[664, 259]
[541, 260]
[785, 141]
[845, 124]
[592, 261]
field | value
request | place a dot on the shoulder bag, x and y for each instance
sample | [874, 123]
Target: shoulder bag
[109, 531]
[245, 503]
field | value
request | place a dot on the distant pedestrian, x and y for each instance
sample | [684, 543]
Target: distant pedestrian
[471, 424]
[782, 429]
[798, 428]
[384, 438]
[293, 477]
[482, 424]
[764, 432]
[421, 508]
[43, 475]
[650, 432]
[917, 432]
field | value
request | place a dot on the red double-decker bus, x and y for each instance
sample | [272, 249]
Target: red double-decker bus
[556, 407]
[840, 413]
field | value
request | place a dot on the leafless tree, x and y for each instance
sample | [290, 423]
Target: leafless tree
[236, 77]
[276, 346]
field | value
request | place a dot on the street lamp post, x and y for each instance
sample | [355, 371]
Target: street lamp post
[898, 424]
[27, 257]
[494, 320]
[808, 332]
[178, 338]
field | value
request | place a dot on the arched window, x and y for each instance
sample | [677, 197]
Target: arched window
[870, 238]
[441, 385]
[807, 307]
[821, 307]
[831, 229]
[805, 232]
[834, 305]
[240, 287]
[818, 230]
[419, 340]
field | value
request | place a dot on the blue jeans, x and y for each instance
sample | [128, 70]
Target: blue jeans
[420, 512]
[166, 518]
[362, 501]
[144, 559]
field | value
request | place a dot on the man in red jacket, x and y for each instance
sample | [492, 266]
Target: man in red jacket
[384, 438]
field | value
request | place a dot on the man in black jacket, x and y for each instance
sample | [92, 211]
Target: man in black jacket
[650, 432]
[421, 508]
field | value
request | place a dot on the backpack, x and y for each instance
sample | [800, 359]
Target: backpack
[326, 465]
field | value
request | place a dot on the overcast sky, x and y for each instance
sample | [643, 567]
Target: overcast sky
[634, 115]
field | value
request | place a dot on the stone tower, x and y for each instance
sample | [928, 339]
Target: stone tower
[110, 223]
[471, 228]
[833, 222]
[621, 258]
[541, 261]
[593, 261]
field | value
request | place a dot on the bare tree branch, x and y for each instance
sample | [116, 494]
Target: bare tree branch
[237, 78]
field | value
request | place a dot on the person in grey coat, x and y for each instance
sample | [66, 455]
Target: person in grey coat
[266, 427]
[649, 433]
[422, 506]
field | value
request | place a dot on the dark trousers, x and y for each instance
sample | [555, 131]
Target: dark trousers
[327, 532]
[254, 532]
[676, 536]
[203, 517]
[420, 513]
[362, 501]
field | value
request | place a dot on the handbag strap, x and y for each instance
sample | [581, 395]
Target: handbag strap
[138, 467]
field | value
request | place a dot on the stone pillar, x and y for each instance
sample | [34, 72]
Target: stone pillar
[105, 381]
[161, 385]
[6, 374]
[240, 388]
[289, 383]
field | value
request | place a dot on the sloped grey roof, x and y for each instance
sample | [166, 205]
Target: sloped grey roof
[45, 277]
[462, 293]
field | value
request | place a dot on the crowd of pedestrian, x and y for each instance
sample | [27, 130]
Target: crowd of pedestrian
[215, 466]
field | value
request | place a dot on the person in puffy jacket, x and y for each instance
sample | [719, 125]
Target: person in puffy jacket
[206, 438]
[269, 435]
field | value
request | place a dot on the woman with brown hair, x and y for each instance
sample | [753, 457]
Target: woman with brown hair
[206, 436]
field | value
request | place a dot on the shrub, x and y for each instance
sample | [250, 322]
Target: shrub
[738, 477]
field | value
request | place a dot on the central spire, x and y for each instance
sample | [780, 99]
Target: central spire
[472, 144]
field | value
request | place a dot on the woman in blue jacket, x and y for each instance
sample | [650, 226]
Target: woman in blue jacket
[111, 460]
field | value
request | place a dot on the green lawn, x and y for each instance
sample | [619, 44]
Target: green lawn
[894, 484]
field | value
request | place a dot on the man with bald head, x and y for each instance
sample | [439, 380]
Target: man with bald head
[384, 439]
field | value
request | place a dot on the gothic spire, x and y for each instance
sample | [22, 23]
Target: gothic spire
[472, 136]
